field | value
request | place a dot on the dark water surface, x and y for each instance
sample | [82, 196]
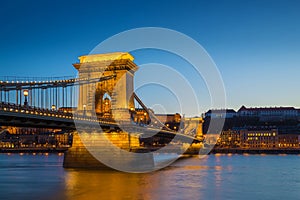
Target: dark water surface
[212, 177]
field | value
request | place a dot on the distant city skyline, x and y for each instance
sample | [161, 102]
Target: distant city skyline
[255, 44]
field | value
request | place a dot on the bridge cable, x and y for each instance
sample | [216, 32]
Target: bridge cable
[151, 115]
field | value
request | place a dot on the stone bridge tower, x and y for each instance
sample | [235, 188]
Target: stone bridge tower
[112, 97]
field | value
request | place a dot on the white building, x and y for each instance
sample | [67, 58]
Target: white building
[221, 113]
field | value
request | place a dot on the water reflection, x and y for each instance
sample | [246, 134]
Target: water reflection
[179, 181]
[90, 184]
[116, 185]
[212, 177]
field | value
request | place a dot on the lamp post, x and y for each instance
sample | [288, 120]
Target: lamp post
[84, 109]
[53, 107]
[145, 116]
[25, 93]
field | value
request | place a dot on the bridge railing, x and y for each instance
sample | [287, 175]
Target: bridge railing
[33, 79]
[10, 107]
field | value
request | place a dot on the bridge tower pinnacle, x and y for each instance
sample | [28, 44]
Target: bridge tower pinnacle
[116, 92]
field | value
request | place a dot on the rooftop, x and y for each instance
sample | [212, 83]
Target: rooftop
[105, 56]
[243, 108]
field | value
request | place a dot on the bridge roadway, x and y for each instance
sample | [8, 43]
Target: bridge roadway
[25, 116]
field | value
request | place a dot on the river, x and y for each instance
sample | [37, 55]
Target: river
[244, 177]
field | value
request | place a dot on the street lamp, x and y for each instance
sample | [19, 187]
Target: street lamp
[25, 93]
[145, 114]
[53, 107]
[84, 109]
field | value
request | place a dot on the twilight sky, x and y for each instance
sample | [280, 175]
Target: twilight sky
[255, 44]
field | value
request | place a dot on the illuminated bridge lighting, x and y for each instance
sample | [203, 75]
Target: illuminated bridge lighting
[55, 99]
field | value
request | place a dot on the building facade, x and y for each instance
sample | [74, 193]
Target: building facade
[259, 138]
[229, 139]
[288, 141]
[269, 114]
[221, 113]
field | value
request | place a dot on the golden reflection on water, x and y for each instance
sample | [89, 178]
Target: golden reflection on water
[92, 184]
[185, 179]
[179, 181]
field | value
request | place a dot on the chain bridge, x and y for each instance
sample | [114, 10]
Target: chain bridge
[101, 94]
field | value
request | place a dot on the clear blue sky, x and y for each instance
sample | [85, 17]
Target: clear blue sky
[255, 44]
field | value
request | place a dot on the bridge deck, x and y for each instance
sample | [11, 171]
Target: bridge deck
[25, 116]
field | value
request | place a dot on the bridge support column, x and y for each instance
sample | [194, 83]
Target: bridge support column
[199, 130]
[197, 123]
[120, 88]
[78, 156]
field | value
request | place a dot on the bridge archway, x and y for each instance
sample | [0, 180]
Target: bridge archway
[103, 105]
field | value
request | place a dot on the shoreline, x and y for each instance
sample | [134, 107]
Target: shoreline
[34, 150]
[255, 151]
[193, 152]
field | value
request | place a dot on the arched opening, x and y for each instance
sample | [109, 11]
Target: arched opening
[106, 106]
